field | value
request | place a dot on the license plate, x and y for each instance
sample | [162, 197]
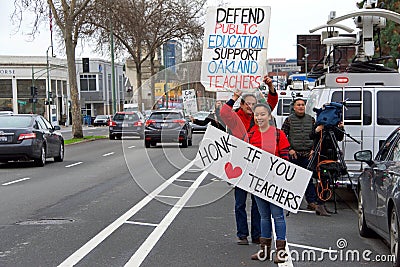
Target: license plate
[124, 125]
[164, 125]
[3, 138]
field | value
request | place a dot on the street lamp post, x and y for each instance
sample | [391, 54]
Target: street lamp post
[48, 82]
[305, 58]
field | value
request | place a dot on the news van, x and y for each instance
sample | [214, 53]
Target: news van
[370, 92]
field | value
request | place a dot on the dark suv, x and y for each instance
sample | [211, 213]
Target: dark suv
[167, 126]
[126, 124]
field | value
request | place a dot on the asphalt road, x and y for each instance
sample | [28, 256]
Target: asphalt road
[115, 203]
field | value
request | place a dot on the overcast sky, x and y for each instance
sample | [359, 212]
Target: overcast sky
[288, 19]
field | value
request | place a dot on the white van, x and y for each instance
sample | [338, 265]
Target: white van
[284, 106]
[371, 109]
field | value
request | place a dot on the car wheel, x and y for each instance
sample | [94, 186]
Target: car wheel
[112, 137]
[153, 143]
[185, 142]
[394, 237]
[42, 159]
[147, 144]
[190, 142]
[362, 224]
[141, 136]
[60, 156]
[119, 136]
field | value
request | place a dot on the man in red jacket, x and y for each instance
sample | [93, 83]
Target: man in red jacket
[239, 130]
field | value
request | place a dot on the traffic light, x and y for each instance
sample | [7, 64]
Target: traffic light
[34, 91]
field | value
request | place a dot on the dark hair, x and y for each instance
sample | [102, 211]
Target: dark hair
[264, 106]
[246, 96]
[297, 99]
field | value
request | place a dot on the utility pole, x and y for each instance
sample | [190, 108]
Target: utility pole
[112, 68]
[48, 83]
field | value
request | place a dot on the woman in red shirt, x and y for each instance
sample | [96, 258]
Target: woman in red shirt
[274, 141]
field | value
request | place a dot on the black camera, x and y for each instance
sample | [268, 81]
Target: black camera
[330, 114]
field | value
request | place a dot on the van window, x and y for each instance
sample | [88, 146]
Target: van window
[353, 111]
[284, 107]
[387, 107]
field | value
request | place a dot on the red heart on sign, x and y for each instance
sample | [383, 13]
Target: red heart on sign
[231, 172]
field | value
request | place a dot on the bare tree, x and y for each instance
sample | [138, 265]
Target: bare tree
[143, 26]
[70, 17]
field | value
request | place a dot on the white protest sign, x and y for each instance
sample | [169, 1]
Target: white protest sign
[189, 101]
[235, 48]
[252, 169]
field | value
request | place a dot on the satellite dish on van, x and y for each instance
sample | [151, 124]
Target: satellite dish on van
[343, 27]
[341, 40]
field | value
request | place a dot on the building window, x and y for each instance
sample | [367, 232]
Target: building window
[88, 82]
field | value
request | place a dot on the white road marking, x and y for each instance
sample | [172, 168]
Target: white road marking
[108, 154]
[183, 180]
[17, 181]
[72, 165]
[131, 146]
[153, 238]
[142, 223]
[311, 248]
[92, 243]
[167, 196]
[307, 211]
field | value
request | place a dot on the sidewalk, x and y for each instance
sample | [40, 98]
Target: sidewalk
[66, 129]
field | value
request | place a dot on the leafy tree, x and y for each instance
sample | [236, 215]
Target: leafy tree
[70, 18]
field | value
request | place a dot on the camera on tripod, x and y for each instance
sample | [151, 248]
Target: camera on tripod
[330, 114]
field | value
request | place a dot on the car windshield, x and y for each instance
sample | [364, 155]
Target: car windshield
[126, 117]
[15, 121]
[101, 117]
[201, 115]
[166, 116]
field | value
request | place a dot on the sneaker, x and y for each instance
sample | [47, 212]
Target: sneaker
[242, 241]
[255, 240]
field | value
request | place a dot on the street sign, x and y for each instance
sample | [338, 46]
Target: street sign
[235, 48]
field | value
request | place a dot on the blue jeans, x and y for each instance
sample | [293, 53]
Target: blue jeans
[241, 215]
[310, 194]
[266, 210]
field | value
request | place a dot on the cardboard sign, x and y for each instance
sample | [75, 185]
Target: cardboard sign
[252, 169]
[235, 48]
[189, 101]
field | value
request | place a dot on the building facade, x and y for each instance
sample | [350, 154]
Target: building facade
[51, 96]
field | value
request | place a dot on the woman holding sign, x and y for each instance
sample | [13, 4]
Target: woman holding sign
[274, 141]
[239, 122]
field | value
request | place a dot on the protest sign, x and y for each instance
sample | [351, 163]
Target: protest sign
[189, 101]
[235, 48]
[252, 169]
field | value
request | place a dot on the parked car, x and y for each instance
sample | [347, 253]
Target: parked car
[130, 123]
[201, 115]
[379, 193]
[29, 137]
[167, 126]
[101, 120]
